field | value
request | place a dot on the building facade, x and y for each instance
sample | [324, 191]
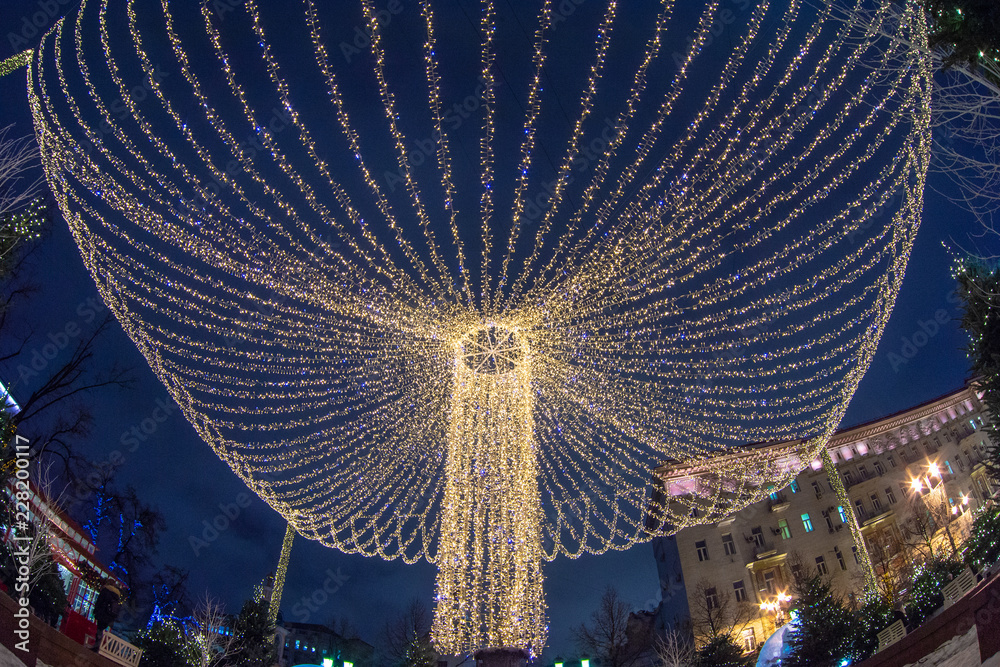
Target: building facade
[912, 479]
[314, 644]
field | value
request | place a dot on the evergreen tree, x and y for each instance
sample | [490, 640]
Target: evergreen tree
[253, 636]
[926, 596]
[983, 546]
[721, 651]
[979, 289]
[163, 644]
[970, 29]
[876, 615]
[824, 628]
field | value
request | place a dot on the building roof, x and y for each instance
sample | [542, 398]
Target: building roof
[786, 451]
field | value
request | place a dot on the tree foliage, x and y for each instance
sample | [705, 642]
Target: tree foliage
[969, 29]
[721, 651]
[612, 638]
[979, 289]
[163, 644]
[982, 549]
[926, 595]
[253, 636]
[824, 628]
[405, 640]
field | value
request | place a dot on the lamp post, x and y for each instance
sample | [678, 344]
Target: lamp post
[774, 605]
[918, 483]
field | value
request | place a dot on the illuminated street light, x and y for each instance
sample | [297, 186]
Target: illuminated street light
[918, 484]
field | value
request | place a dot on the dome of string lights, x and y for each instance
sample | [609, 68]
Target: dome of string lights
[450, 282]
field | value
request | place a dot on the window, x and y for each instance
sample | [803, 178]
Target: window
[797, 571]
[794, 486]
[840, 558]
[749, 639]
[728, 545]
[903, 486]
[863, 471]
[876, 503]
[890, 496]
[774, 496]
[821, 566]
[947, 464]
[786, 534]
[848, 478]
[711, 598]
[740, 591]
[857, 557]
[859, 505]
[769, 582]
[879, 468]
[758, 536]
[891, 460]
[817, 489]
[702, 550]
[843, 514]
[807, 523]
[829, 521]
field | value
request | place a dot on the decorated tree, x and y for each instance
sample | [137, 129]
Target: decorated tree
[163, 644]
[925, 596]
[982, 549]
[253, 636]
[824, 627]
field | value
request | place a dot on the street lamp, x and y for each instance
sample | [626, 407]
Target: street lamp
[918, 483]
[774, 606]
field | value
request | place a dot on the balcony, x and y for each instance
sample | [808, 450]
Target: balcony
[763, 549]
[778, 503]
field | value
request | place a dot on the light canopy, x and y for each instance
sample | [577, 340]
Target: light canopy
[429, 305]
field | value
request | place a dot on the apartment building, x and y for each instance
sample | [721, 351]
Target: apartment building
[911, 476]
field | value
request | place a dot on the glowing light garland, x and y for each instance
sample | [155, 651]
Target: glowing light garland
[713, 265]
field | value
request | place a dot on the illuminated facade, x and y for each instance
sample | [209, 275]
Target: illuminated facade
[73, 553]
[752, 557]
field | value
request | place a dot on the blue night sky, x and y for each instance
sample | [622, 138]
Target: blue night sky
[175, 471]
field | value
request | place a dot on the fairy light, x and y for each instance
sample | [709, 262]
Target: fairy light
[14, 63]
[719, 276]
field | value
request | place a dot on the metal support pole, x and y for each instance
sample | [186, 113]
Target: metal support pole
[871, 583]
